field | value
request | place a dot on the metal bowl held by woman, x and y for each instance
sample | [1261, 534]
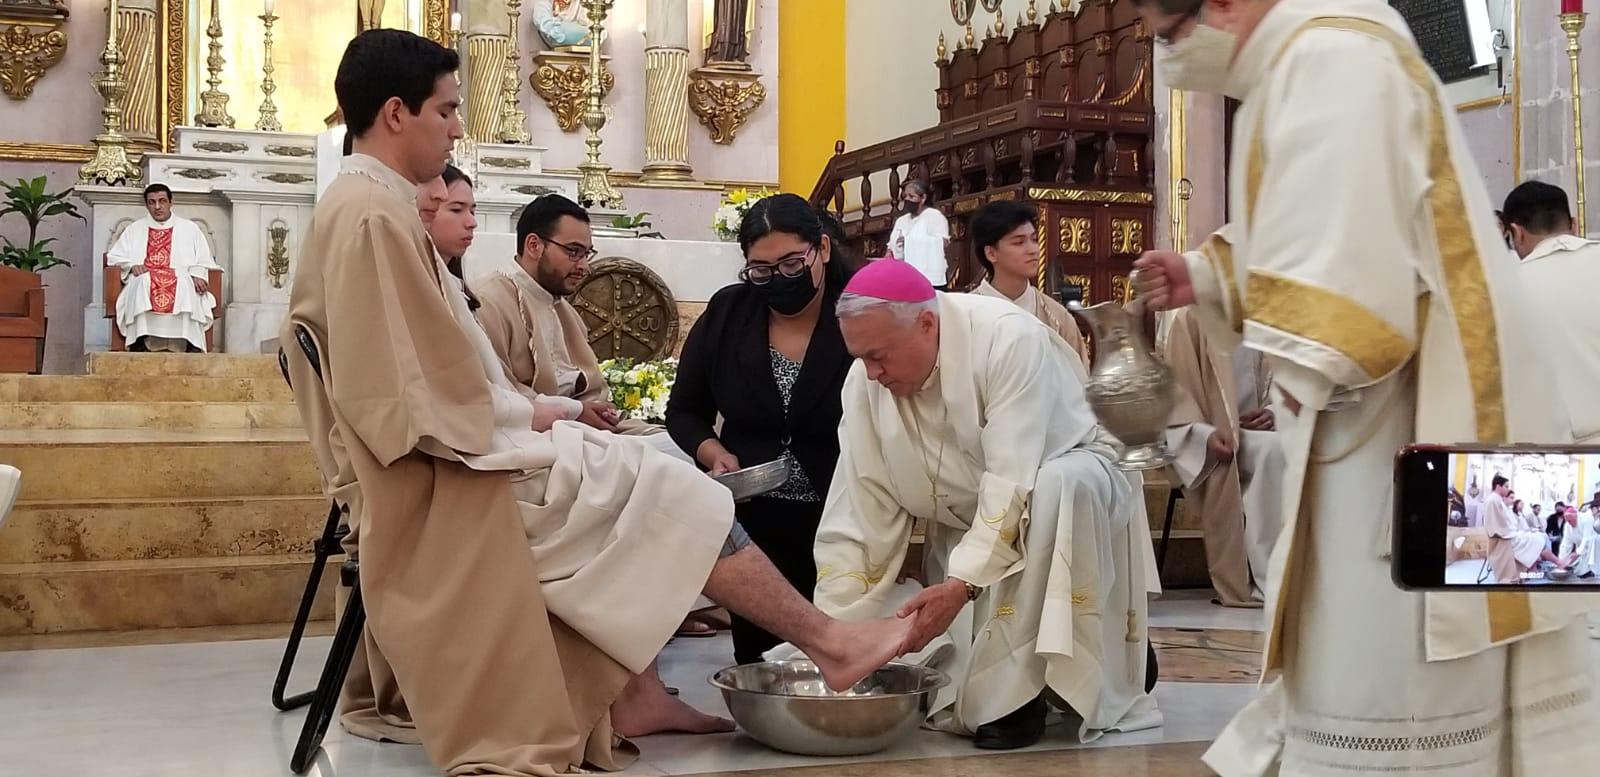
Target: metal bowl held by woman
[786, 706]
[755, 481]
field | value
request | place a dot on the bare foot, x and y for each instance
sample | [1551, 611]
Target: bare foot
[646, 708]
[849, 652]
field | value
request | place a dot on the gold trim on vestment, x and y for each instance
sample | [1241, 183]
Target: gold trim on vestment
[1510, 613]
[1219, 252]
[1327, 318]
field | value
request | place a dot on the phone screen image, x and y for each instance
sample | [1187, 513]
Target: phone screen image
[1519, 518]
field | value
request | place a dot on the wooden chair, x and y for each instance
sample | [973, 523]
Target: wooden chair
[22, 322]
[324, 700]
[113, 288]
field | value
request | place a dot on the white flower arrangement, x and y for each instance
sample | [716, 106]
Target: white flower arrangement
[728, 217]
[640, 389]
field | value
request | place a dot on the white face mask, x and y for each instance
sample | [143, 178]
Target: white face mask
[1199, 62]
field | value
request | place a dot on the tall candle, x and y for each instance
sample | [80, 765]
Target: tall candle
[455, 21]
[266, 7]
[111, 26]
[1571, 6]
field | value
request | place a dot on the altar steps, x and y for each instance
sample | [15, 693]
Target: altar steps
[162, 494]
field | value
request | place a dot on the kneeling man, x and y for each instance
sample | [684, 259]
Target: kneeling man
[966, 412]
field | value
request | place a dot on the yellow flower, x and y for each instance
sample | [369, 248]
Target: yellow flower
[738, 196]
[631, 401]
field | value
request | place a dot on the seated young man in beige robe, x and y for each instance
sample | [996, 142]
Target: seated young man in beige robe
[538, 333]
[1514, 547]
[1228, 459]
[968, 413]
[1006, 243]
[497, 658]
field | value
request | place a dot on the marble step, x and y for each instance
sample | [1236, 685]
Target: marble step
[141, 388]
[79, 465]
[214, 365]
[149, 415]
[141, 529]
[59, 597]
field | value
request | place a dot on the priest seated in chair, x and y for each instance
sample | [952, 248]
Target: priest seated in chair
[537, 332]
[166, 269]
[967, 412]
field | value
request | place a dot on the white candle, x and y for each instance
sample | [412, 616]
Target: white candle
[266, 7]
[455, 21]
[111, 25]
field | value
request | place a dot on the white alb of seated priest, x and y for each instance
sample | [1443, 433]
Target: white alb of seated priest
[166, 299]
[966, 412]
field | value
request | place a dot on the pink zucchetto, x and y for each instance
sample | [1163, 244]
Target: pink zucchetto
[890, 280]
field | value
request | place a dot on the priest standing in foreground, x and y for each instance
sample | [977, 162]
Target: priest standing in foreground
[1364, 262]
[167, 299]
[497, 657]
[967, 412]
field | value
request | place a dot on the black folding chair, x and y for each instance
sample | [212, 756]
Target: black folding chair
[1166, 529]
[324, 699]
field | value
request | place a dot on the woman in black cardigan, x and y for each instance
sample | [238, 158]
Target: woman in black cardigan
[768, 358]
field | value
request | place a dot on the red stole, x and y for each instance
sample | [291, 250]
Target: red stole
[163, 279]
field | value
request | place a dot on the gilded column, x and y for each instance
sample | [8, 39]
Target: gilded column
[486, 68]
[666, 92]
[136, 37]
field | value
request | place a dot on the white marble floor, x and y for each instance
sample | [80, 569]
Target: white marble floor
[202, 709]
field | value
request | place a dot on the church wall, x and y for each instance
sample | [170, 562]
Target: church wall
[751, 158]
[1488, 132]
[1547, 152]
[64, 107]
[811, 74]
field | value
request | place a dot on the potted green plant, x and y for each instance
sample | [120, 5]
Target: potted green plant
[30, 200]
[22, 323]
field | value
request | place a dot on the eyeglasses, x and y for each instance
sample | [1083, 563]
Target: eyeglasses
[792, 267]
[1164, 37]
[578, 252]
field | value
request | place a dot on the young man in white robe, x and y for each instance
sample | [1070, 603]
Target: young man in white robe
[921, 235]
[968, 413]
[1513, 538]
[1364, 261]
[1006, 244]
[167, 299]
[1560, 272]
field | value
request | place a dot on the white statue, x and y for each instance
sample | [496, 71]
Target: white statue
[561, 23]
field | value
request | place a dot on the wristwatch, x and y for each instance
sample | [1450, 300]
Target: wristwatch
[973, 592]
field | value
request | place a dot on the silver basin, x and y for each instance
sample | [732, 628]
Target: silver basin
[755, 481]
[786, 706]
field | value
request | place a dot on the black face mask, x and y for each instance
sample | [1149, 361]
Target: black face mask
[913, 207]
[788, 296]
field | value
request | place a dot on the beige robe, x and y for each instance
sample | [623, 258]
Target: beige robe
[1514, 546]
[544, 344]
[1364, 261]
[415, 428]
[1002, 457]
[1239, 502]
[1051, 312]
[1560, 277]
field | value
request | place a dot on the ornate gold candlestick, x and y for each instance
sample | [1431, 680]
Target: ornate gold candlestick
[1572, 24]
[110, 165]
[214, 101]
[594, 187]
[268, 122]
[466, 151]
[513, 121]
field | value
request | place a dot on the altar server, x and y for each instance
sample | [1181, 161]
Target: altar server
[1560, 272]
[515, 581]
[166, 264]
[1006, 243]
[1363, 259]
[968, 413]
[1228, 457]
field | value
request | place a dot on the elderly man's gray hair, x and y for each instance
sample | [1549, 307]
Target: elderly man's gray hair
[852, 305]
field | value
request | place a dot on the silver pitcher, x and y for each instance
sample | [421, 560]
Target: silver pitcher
[1130, 390]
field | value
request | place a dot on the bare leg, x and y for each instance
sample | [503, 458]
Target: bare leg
[646, 708]
[747, 584]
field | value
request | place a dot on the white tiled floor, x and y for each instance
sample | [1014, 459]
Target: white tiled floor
[202, 709]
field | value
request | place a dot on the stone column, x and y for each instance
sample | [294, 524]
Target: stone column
[483, 68]
[137, 33]
[666, 92]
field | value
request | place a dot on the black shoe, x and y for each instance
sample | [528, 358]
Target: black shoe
[1152, 668]
[1021, 728]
